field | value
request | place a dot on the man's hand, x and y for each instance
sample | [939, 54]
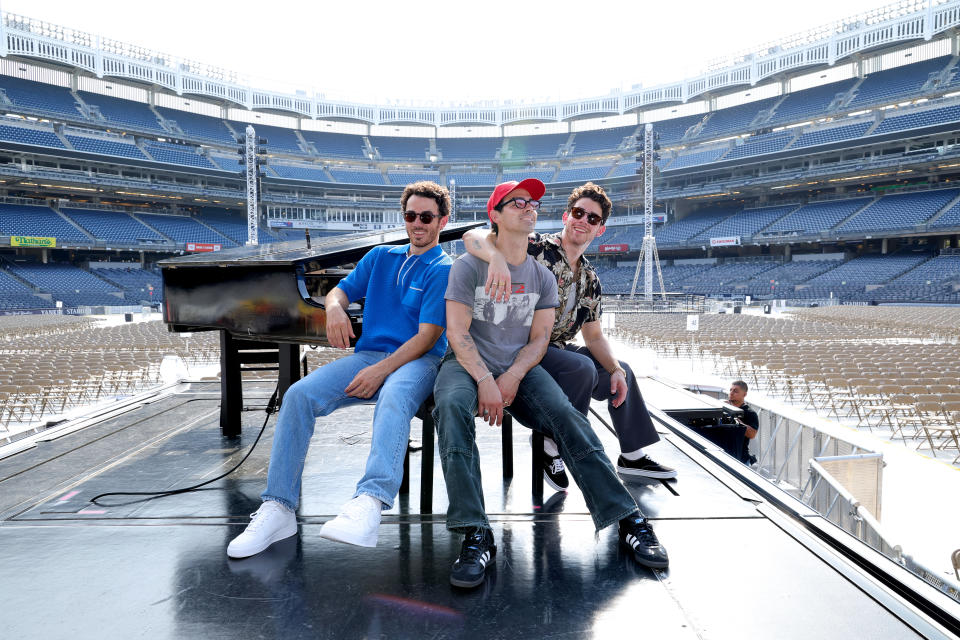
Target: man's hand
[339, 329]
[618, 386]
[498, 285]
[490, 402]
[366, 382]
[508, 383]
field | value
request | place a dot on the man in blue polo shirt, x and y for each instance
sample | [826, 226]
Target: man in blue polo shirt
[394, 364]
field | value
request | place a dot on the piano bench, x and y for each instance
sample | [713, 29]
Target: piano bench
[425, 413]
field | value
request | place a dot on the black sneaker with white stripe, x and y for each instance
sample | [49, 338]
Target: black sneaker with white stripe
[646, 467]
[476, 554]
[636, 532]
[554, 472]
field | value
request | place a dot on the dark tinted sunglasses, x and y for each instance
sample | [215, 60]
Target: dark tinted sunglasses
[592, 218]
[425, 217]
[520, 203]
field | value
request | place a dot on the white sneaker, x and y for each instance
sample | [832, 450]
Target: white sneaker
[358, 522]
[268, 524]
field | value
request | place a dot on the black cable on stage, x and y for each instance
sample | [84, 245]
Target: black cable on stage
[271, 408]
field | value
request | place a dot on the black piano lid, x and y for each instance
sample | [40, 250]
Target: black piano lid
[333, 251]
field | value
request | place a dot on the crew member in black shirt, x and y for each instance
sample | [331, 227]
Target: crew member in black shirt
[748, 419]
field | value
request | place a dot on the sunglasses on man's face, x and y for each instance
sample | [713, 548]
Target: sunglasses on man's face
[425, 216]
[592, 218]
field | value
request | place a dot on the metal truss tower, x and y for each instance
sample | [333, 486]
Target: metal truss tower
[253, 172]
[648, 252]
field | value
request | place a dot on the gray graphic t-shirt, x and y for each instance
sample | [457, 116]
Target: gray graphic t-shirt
[501, 329]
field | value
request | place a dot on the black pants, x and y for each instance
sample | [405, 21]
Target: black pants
[581, 377]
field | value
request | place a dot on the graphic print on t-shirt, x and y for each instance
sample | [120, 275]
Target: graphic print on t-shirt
[515, 312]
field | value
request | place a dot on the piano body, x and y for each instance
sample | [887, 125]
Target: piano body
[266, 300]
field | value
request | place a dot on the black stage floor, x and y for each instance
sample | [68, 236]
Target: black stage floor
[158, 568]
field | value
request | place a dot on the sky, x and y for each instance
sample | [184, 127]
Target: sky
[434, 52]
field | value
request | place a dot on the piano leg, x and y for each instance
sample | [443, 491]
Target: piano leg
[289, 364]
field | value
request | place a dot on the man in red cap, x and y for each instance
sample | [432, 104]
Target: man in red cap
[493, 364]
[589, 371]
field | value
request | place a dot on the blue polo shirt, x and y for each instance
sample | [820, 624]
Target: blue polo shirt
[401, 292]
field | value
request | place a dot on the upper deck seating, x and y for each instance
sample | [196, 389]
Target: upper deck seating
[587, 142]
[672, 131]
[866, 270]
[542, 146]
[682, 230]
[199, 127]
[232, 225]
[404, 178]
[41, 97]
[356, 176]
[625, 169]
[469, 149]
[473, 179]
[401, 148]
[114, 226]
[745, 223]
[764, 143]
[950, 218]
[695, 157]
[725, 122]
[126, 113]
[38, 221]
[29, 135]
[101, 146]
[187, 155]
[581, 174]
[833, 134]
[182, 229]
[809, 103]
[884, 87]
[918, 119]
[299, 172]
[335, 145]
[279, 139]
[900, 211]
[818, 216]
[543, 175]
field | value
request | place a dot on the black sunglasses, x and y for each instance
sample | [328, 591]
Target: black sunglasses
[592, 218]
[425, 216]
[520, 203]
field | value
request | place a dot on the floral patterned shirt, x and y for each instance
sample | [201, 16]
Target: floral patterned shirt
[548, 251]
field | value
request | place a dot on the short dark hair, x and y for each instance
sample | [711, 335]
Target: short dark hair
[741, 384]
[596, 193]
[428, 189]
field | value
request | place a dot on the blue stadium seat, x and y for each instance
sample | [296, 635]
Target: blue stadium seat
[681, 231]
[199, 127]
[581, 174]
[745, 223]
[693, 157]
[41, 97]
[403, 178]
[809, 103]
[335, 145]
[901, 211]
[187, 155]
[25, 220]
[542, 146]
[725, 122]
[473, 179]
[832, 134]
[298, 172]
[182, 229]
[401, 148]
[469, 149]
[918, 119]
[587, 142]
[104, 147]
[28, 135]
[764, 143]
[818, 216]
[885, 87]
[356, 176]
[113, 226]
[279, 139]
[126, 113]
[543, 175]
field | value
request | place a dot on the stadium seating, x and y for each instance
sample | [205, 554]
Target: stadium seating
[401, 148]
[65, 279]
[177, 154]
[199, 127]
[298, 172]
[918, 119]
[542, 175]
[695, 157]
[725, 122]
[682, 230]
[182, 229]
[335, 145]
[279, 139]
[354, 176]
[37, 221]
[933, 271]
[764, 143]
[113, 226]
[126, 113]
[950, 218]
[403, 178]
[587, 142]
[232, 225]
[809, 103]
[136, 283]
[625, 169]
[41, 98]
[831, 134]
[671, 131]
[900, 211]
[887, 86]
[868, 270]
[29, 135]
[818, 216]
[581, 174]
[469, 149]
[473, 179]
[542, 146]
[103, 147]
[744, 223]
[229, 163]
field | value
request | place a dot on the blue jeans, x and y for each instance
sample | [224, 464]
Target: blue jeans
[320, 394]
[540, 404]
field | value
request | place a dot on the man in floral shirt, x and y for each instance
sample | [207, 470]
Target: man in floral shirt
[590, 371]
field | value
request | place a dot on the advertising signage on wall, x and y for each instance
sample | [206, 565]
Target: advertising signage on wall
[30, 241]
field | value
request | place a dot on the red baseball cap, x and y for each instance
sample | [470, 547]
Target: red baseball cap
[534, 187]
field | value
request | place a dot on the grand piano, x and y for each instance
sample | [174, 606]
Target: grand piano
[266, 300]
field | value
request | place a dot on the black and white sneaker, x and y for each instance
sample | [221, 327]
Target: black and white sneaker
[637, 534]
[554, 472]
[646, 467]
[476, 553]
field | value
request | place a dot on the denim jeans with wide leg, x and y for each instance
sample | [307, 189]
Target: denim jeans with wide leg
[541, 405]
[320, 394]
